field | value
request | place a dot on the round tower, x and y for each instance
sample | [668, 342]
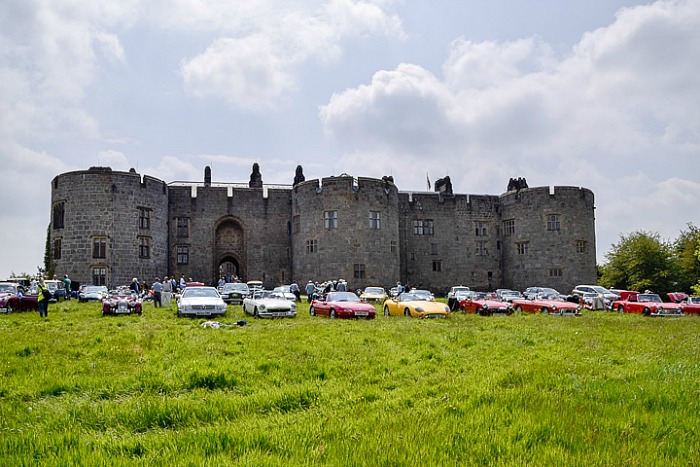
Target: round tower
[345, 228]
[548, 238]
[108, 227]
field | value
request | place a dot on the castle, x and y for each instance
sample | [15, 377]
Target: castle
[110, 226]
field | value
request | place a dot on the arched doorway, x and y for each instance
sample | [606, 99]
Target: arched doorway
[229, 249]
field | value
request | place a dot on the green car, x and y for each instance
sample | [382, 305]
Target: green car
[234, 292]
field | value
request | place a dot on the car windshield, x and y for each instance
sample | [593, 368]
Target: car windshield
[235, 287]
[411, 297]
[460, 289]
[342, 297]
[205, 292]
[510, 293]
[649, 297]
[264, 294]
[377, 290]
[95, 289]
[601, 290]
[479, 296]
[8, 288]
[282, 289]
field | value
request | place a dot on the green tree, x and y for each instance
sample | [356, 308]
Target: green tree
[640, 261]
[49, 267]
[696, 288]
[685, 251]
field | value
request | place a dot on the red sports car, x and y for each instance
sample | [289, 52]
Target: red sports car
[689, 305]
[121, 302]
[11, 299]
[342, 305]
[481, 304]
[648, 304]
[547, 303]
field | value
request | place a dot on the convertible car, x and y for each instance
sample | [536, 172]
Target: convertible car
[410, 304]
[374, 294]
[200, 301]
[481, 304]
[234, 292]
[122, 302]
[342, 305]
[648, 304]
[11, 299]
[547, 303]
[689, 305]
[93, 293]
[267, 304]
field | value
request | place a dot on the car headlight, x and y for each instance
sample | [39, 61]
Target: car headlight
[262, 307]
[486, 306]
[447, 309]
[419, 309]
[554, 307]
[293, 307]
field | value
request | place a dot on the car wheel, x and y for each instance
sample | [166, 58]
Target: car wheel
[255, 312]
[10, 308]
[545, 310]
[519, 309]
[312, 311]
[407, 312]
[386, 310]
[646, 312]
[333, 314]
[621, 308]
[480, 311]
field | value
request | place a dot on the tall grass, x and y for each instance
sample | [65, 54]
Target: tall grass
[601, 389]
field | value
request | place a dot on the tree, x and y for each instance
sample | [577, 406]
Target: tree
[49, 267]
[685, 251]
[696, 288]
[640, 261]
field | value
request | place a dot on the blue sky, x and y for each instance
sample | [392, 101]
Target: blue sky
[596, 93]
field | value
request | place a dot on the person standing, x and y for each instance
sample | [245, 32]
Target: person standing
[157, 291]
[167, 291]
[134, 286]
[310, 289]
[294, 288]
[66, 285]
[43, 294]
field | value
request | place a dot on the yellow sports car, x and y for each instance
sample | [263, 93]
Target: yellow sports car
[409, 304]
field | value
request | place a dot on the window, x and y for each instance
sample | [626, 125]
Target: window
[99, 276]
[296, 224]
[580, 246]
[183, 227]
[144, 218]
[59, 211]
[374, 220]
[437, 266]
[553, 222]
[523, 247]
[144, 247]
[423, 227]
[481, 249]
[312, 246]
[392, 247]
[359, 271]
[480, 229]
[330, 219]
[509, 227]
[57, 248]
[99, 247]
[183, 254]
[556, 272]
[433, 249]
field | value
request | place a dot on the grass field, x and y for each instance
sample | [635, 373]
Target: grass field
[600, 389]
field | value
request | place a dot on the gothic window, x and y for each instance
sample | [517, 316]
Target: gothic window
[99, 247]
[509, 227]
[481, 229]
[57, 248]
[481, 249]
[374, 220]
[553, 222]
[144, 218]
[59, 211]
[183, 227]
[144, 247]
[330, 219]
[183, 254]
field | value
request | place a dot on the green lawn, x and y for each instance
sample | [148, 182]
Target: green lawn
[600, 389]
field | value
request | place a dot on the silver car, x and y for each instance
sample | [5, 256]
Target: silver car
[200, 301]
[266, 304]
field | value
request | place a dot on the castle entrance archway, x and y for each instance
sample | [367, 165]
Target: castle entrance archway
[229, 249]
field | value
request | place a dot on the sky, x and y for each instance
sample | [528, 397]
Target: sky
[603, 94]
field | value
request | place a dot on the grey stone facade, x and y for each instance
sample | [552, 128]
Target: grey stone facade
[360, 229]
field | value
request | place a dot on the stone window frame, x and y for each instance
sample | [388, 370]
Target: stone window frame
[553, 222]
[358, 270]
[99, 246]
[480, 228]
[59, 215]
[433, 248]
[57, 248]
[423, 227]
[296, 224]
[581, 246]
[144, 247]
[375, 220]
[144, 218]
[437, 265]
[393, 246]
[481, 248]
[99, 275]
[509, 227]
[523, 247]
[330, 219]
[556, 272]
[182, 227]
[311, 246]
[182, 254]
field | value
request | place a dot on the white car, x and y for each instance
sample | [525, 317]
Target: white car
[456, 294]
[286, 292]
[267, 304]
[200, 301]
[93, 293]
